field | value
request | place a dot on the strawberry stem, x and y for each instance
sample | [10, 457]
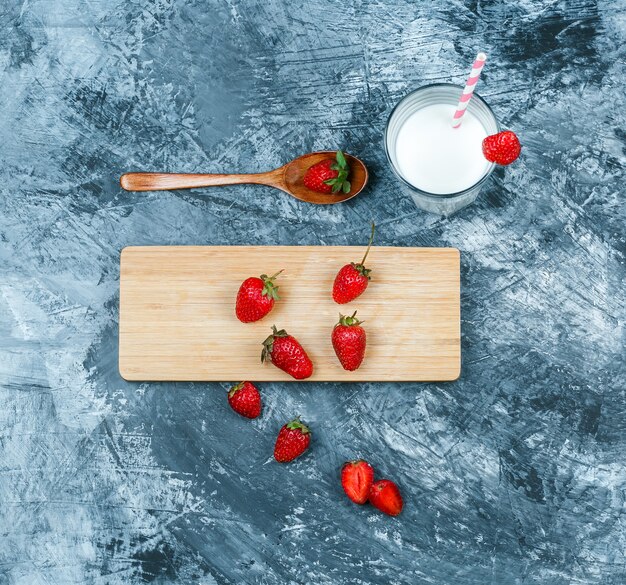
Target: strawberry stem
[297, 424]
[348, 321]
[269, 288]
[369, 245]
[234, 389]
[275, 275]
[340, 182]
[268, 344]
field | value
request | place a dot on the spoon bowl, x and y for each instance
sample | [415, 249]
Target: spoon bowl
[288, 178]
[296, 169]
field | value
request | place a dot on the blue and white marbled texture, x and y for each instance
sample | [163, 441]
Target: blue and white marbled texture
[515, 474]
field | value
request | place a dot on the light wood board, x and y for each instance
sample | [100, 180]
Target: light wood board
[177, 320]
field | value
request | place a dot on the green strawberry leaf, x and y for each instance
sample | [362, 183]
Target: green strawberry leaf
[340, 182]
[297, 424]
[341, 159]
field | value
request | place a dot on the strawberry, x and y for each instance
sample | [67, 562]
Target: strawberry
[286, 353]
[357, 478]
[349, 340]
[256, 297]
[244, 399]
[329, 176]
[502, 148]
[352, 280]
[293, 440]
[385, 495]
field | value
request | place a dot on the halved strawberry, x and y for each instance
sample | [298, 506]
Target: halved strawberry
[385, 495]
[356, 479]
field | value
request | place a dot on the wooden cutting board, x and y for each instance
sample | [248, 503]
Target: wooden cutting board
[177, 320]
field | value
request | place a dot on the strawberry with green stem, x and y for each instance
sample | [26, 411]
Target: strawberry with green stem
[245, 399]
[256, 297]
[349, 341]
[293, 439]
[286, 353]
[352, 280]
[329, 176]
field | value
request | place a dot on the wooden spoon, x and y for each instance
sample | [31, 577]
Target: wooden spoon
[287, 178]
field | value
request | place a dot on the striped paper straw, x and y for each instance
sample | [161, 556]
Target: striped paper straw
[472, 80]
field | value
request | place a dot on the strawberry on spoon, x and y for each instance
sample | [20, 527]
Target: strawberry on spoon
[352, 280]
[329, 176]
[502, 148]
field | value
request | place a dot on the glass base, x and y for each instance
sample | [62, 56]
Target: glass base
[445, 206]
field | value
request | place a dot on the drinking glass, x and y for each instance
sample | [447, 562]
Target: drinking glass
[438, 93]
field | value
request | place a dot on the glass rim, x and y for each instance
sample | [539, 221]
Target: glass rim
[396, 172]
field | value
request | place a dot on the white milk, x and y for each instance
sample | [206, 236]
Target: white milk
[434, 157]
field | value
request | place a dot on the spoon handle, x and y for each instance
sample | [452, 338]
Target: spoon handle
[168, 181]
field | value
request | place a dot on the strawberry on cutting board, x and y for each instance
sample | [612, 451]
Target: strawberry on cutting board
[385, 495]
[352, 280]
[349, 341]
[256, 297]
[245, 399]
[502, 148]
[329, 175]
[293, 439]
[286, 353]
[357, 478]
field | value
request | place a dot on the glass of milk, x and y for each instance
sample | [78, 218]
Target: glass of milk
[443, 168]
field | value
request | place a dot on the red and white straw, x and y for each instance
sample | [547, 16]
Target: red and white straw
[472, 80]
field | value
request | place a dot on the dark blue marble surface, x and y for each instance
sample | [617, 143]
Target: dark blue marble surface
[514, 474]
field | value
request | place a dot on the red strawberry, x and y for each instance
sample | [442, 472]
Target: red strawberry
[502, 148]
[293, 440]
[356, 479]
[256, 297]
[349, 340]
[385, 495]
[352, 280]
[329, 176]
[244, 399]
[286, 353]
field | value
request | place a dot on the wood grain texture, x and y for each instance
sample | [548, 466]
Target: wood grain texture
[167, 181]
[177, 320]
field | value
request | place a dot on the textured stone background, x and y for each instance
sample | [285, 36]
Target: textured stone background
[514, 474]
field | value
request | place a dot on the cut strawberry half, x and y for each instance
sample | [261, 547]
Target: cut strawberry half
[357, 478]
